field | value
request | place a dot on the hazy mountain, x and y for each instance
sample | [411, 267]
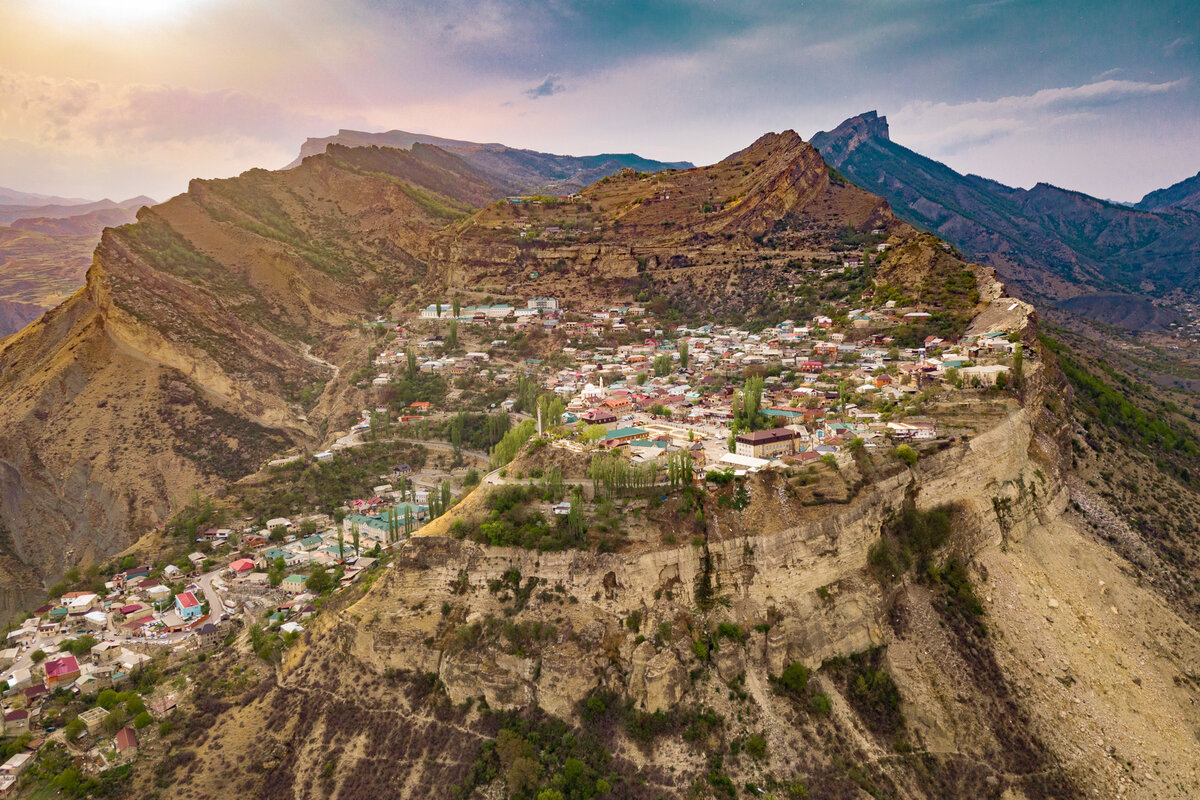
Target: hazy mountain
[1184, 195]
[46, 249]
[1054, 242]
[527, 170]
[14, 197]
[10, 213]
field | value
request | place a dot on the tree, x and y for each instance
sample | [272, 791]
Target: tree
[342, 543]
[452, 335]
[354, 533]
[142, 720]
[38, 656]
[412, 364]
[456, 307]
[445, 495]
[1018, 365]
[439, 309]
[115, 720]
[683, 354]
[107, 699]
[593, 433]
[135, 704]
[906, 454]
[75, 728]
[319, 581]
[278, 533]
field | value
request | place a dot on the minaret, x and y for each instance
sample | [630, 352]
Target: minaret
[539, 420]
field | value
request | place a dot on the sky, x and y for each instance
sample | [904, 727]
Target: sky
[114, 98]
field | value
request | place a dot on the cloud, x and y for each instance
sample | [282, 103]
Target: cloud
[550, 86]
[1174, 45]
[940, 127]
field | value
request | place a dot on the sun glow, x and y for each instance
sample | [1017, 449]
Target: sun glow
[114, 11]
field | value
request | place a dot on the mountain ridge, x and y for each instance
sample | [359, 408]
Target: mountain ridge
[530, 171]
[1055, 242]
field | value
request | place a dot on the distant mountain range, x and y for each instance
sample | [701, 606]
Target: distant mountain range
[1054, 243]
[46, 245]
[520, 171]
[1185, 195]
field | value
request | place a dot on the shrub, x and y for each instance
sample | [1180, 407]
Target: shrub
[795, 678]
[756, 745]
[906, 454]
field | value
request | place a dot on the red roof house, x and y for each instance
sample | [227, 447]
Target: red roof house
[61, 671]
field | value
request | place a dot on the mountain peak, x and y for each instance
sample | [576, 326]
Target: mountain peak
[837, 145]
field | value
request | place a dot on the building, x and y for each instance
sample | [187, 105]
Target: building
[622, 435]
[126, 741]
[600, 416]
[61, 672]
[16, 722]
[543, 304]
[188, 606]
[768, 444]
[293, 584]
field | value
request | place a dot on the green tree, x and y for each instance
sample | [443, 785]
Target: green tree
[107, 699]
[75, 728]
[683, 354]
[412, 363]
[319, 581]
[456, 307]
[906, 454]
[142, 720]
[38, 656]
[1018, 365]
[115, 720]
[593, 433]
[452, 335]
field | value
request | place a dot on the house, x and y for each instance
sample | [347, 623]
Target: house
[61, 672]
[543, 304]
[771, 443]
[126, 741]
[106, 652]
[16, 722]
[600, 416]
[187, 606]
[17, 764]
[293, 584]
[208, 635]
[622, 435]
[242, 566]
[197, 559]
[93, 718]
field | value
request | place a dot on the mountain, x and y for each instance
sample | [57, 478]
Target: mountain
[88, 224]
[1053, 242]
[14, 197]
[529, 171]
[214, 331]
[46, 249]
[1183, 195]
[964, 617]
[12, 212]
[182, 362]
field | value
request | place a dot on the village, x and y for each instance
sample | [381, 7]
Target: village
[609, 379]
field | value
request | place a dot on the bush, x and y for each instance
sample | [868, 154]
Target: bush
[820, 704]
[142, 720]
[906, 454]
[795, 678]
[700, 649]
[756, 746]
